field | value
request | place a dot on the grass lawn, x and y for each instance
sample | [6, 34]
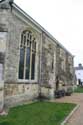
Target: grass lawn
[39, 113]
[79, 89]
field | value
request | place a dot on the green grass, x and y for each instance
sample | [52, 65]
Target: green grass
[79, 89]
[39, 113]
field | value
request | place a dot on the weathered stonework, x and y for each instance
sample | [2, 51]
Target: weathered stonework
[52, 59]
[1, 96]
[20, 93]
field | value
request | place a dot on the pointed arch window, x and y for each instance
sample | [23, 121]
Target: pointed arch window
[27, 56]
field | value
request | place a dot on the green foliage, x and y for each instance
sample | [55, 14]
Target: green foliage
[39, 113]
[79, 89]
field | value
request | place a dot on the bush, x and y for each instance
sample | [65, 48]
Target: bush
[69, 91]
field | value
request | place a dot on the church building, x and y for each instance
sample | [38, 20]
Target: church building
[30, 58]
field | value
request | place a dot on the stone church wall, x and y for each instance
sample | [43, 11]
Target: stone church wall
[52, 60]
[16, 92]
[48, 65]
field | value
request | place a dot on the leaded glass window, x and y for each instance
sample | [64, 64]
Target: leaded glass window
[27, 56]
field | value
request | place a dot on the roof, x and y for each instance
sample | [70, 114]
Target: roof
[39, 26]
[78, 68]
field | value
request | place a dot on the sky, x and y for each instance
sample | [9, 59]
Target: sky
[62, 18]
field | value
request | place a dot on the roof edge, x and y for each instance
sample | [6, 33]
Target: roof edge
[39, 26]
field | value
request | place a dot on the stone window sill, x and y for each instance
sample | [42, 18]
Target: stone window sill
[27, 81]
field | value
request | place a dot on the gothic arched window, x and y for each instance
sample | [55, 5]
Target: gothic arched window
[27, 56]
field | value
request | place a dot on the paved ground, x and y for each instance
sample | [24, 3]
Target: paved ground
[77, 117]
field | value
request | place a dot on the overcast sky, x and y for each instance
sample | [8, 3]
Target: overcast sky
[62, 18]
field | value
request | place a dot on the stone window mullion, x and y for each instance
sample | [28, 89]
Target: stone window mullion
[24, 75]
[30, 62]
